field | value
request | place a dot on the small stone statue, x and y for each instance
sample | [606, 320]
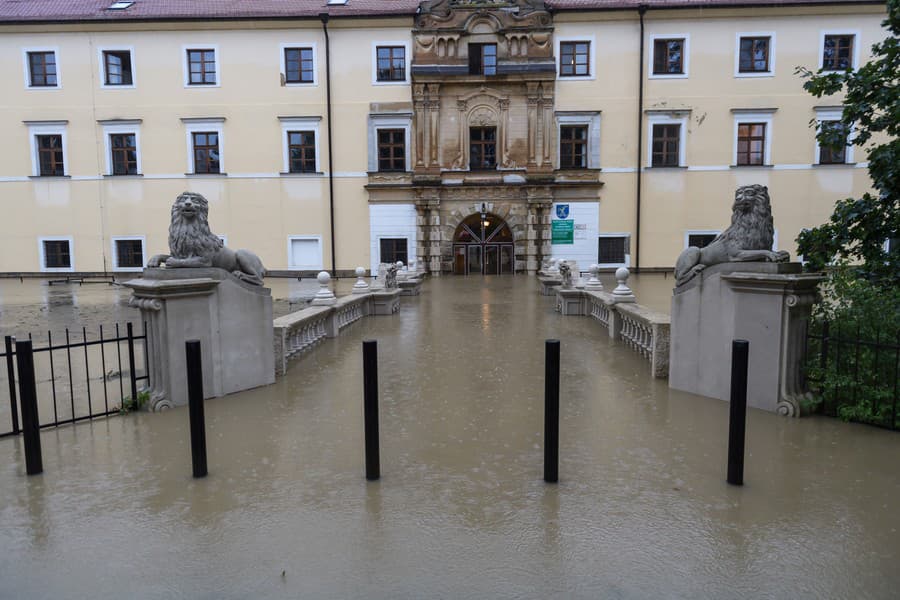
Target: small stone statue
[565, 271]
[192, 244]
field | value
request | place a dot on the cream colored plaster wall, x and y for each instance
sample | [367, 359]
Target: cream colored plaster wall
[698, 196]
[254, 206]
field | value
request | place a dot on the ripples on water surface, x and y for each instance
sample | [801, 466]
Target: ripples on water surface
[641, 510]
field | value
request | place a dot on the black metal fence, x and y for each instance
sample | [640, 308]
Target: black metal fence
[78, 380]
[854, 372]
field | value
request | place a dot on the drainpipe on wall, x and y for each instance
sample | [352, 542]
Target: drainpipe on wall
[642, 8]
[324, 17]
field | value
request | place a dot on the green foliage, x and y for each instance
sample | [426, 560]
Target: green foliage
[857, 382]
[857, 229]
[128, 404]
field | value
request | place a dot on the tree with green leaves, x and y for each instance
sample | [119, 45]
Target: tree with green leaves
[857, 230]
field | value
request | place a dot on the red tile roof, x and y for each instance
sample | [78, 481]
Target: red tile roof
[13, 11]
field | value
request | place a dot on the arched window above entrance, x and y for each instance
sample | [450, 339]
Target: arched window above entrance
[475, 230]
[483, 244]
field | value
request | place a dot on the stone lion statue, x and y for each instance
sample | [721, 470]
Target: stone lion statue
[192, 244]
[748, 238]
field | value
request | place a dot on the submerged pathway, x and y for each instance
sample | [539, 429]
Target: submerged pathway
[641, 511]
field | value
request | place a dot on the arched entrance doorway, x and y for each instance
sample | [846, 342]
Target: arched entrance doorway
[483, 244]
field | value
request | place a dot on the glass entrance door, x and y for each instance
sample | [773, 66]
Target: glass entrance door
[483, 244]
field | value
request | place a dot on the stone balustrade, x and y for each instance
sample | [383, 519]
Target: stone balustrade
[640, 328]
[302, 330]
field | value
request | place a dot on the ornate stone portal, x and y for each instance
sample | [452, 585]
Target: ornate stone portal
[193, 297]
[742, 290]
[483, 77]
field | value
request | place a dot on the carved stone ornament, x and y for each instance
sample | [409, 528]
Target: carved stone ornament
[748, 239]
[192, 244]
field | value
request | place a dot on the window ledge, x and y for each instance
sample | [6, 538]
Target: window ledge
[124, 176]
[833, 165]
[311, 174]
[750, 166]
[666, 168]
[206, 174]
[49, 177]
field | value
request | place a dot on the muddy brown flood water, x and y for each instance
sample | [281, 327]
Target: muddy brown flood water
[642, 509]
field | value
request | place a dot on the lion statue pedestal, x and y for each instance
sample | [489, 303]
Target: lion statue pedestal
[231, 318]
[737, 287]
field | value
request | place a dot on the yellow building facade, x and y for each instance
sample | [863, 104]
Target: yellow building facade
[595, 131]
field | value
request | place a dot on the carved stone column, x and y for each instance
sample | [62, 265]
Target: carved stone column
[540, 201]
[420, 122]
[460, 161]
[428, 231]
[503, 135]
[547, 136]
[433, 109]
[533, 125]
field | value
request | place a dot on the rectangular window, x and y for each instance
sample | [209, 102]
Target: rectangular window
[754, 55]
[751, 143]
[668, 57]
[117, 67]
[129, 254]
[573, 146]
[50, 155]
[302, 151]
[57, 254]
[482, 59]
[611, 250]
[42, 69]
[666, 145]
[394, 249]
[391, 149]
[837, 54]
[391, 63]
[837, 154]
[123, 147]
[574, 59]
[701, 240]
[201, 67]
[206, 151]
[299, 66]
[482, 148]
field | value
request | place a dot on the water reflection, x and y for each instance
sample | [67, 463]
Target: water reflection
[641, 510]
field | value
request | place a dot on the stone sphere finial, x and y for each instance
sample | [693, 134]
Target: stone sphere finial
[324, 297]
[360, 287]
[594, 283]
[622, 290]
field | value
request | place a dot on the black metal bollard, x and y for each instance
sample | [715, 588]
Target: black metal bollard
[195, 401]
[737, 424]
[134, 398]
[31, 424]
[11, 376]
[370, 408]
[551, 412]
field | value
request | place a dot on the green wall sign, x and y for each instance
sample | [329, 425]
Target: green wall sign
[562, 232]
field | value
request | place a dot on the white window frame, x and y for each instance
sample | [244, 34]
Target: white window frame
[685, 53]
[315, 54]
[832, 114]
[410, 246]
[102, 65]
[737, 53]
[115, 253]
[187, 68]
[197, 125]
[36, 128]
[115, 126]
[43, 259]
[627, 262]
[668, 118]
[592, 62]
[389, 121]
[856, 37]
[592, 120]
[292, 266]
[688, 233]
[407, 59]
[25, 65]
[299, 124]
[753, 116]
